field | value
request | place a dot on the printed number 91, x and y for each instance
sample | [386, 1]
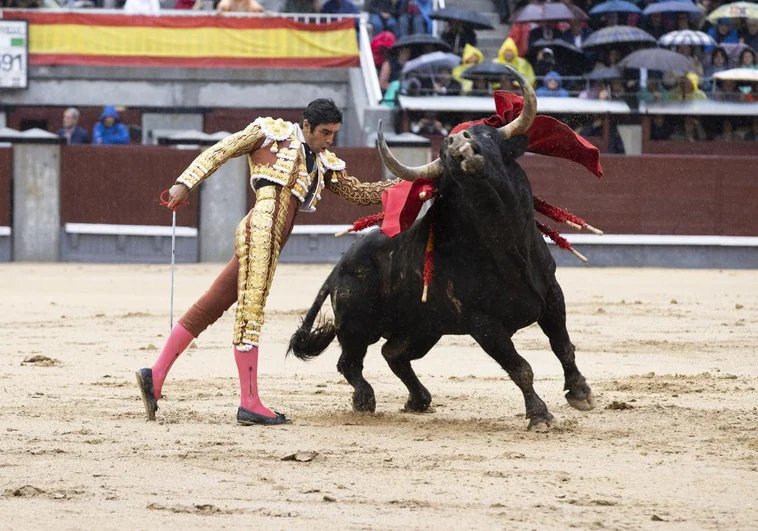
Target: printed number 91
[7, 62]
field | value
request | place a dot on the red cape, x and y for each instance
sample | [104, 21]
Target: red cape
[547, 136]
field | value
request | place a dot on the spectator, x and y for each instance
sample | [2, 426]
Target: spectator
[718, 63]
[429, 125]
[239, 6]
[595, 91]
[414, 17]
[683, 21]
[726, 90]
[508, 55]
[479, 87]
[383, 15]
[545, 63]
[458, 35]
[749, 34]
[142, 7]
[445, 85]
[471, 56]
[301, 6]
[380, 46]
[187, 4]
[654, 92]
[393, 66]
[545, 31]
[71, 131]
[552, 87]
[661, 128]
[109, 130]
[609, 58]
[687, 90]
[576, 35]
[339, 7]
[747, 59]
[689, 52]
[654, 25]
[723, 33]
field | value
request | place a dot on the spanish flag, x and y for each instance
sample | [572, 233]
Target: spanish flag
[213, 41]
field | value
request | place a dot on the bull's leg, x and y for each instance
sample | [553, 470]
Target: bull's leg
[495, 339]
[399, 351]
[350, 365]
[553, 324]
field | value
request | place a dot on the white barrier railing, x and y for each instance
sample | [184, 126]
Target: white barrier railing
[368, 68]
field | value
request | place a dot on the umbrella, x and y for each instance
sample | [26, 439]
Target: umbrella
[550, 12]
[735, 10]
[687, 37]
[418, 40]
[615, 6]
[489, 71]
[604, 73]
[432, 61]
[617, 35]
[672, 6]
[738, 74]
[657, 59]
[467, 16]
[733, 50]
[556, 43]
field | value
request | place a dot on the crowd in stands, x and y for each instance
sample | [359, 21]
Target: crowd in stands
[107, 131]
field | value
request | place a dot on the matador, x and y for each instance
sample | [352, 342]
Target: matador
[289, 168]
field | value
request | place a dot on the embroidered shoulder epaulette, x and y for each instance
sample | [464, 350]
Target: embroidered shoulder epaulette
[331, 162]
[275, 130]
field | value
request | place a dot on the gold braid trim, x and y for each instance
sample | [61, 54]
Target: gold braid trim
[257, 245]
[355, 191]
[210, 160]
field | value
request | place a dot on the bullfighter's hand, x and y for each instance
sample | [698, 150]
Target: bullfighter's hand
[177, 194]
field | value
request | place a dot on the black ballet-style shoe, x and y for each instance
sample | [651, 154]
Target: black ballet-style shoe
[249, 418]
[145, 383]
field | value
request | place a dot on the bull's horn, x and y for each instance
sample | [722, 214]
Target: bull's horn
[525, 119]
[427, 171]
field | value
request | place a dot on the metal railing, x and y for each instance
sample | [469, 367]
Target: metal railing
[368, 68]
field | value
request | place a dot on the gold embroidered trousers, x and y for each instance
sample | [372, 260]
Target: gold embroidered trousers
[258, 241]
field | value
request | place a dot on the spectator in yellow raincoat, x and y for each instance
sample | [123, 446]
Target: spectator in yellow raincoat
[508, 55]
[471, 56]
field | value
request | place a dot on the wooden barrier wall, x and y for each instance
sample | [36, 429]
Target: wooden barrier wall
[653, 194]
[6, 178]
[122, 184]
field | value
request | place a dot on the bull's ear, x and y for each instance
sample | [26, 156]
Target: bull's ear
[515, 147]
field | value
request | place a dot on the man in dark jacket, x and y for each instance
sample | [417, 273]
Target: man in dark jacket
[109, 130]
[71, 130]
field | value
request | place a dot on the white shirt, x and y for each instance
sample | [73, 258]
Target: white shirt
[142, 7]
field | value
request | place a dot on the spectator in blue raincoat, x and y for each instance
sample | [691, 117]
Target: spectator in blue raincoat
[109, 130]
[552, 87]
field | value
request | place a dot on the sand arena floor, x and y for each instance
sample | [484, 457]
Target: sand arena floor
[671, 356]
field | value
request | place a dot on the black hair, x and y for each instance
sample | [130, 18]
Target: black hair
[322, 111]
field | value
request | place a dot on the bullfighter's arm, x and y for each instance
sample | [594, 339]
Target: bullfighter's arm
[355, 191]
[245, 141]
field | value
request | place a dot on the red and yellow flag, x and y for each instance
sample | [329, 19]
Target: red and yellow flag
[211, 41]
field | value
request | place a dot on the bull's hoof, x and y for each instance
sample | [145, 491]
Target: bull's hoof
[540, 423]
[364, 402]
[419, 403]
[583, 403]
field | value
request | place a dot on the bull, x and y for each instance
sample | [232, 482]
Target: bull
[494, 275]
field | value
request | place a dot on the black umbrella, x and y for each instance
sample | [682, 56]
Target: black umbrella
[550, 12]
[657, 59]
[420, 40]
[467, 16]
[556, 43]
[603, 73]
[619, 35]
[489, 71]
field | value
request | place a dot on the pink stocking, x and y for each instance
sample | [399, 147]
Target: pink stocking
[247, 366]
[176, 343]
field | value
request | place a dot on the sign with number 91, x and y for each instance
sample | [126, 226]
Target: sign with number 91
[14, 54]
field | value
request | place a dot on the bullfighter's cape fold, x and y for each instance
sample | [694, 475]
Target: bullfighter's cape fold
[547, 136]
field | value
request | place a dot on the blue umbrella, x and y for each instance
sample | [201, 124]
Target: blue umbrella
[615, 6]
[618, 35]
[673, 6]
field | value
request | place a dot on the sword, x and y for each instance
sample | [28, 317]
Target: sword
[165, 202]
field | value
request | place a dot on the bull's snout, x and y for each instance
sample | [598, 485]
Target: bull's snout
[463, 146]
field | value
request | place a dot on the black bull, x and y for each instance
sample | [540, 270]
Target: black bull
[493, 275]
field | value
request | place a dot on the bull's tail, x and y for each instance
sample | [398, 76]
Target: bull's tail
[307, 343]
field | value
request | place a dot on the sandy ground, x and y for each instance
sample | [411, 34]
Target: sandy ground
[674, 350]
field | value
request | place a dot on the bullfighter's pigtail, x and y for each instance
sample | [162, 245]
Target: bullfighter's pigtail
[559, 240]
[562, 216]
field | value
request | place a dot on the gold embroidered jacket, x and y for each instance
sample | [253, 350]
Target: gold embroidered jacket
[283, 162]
